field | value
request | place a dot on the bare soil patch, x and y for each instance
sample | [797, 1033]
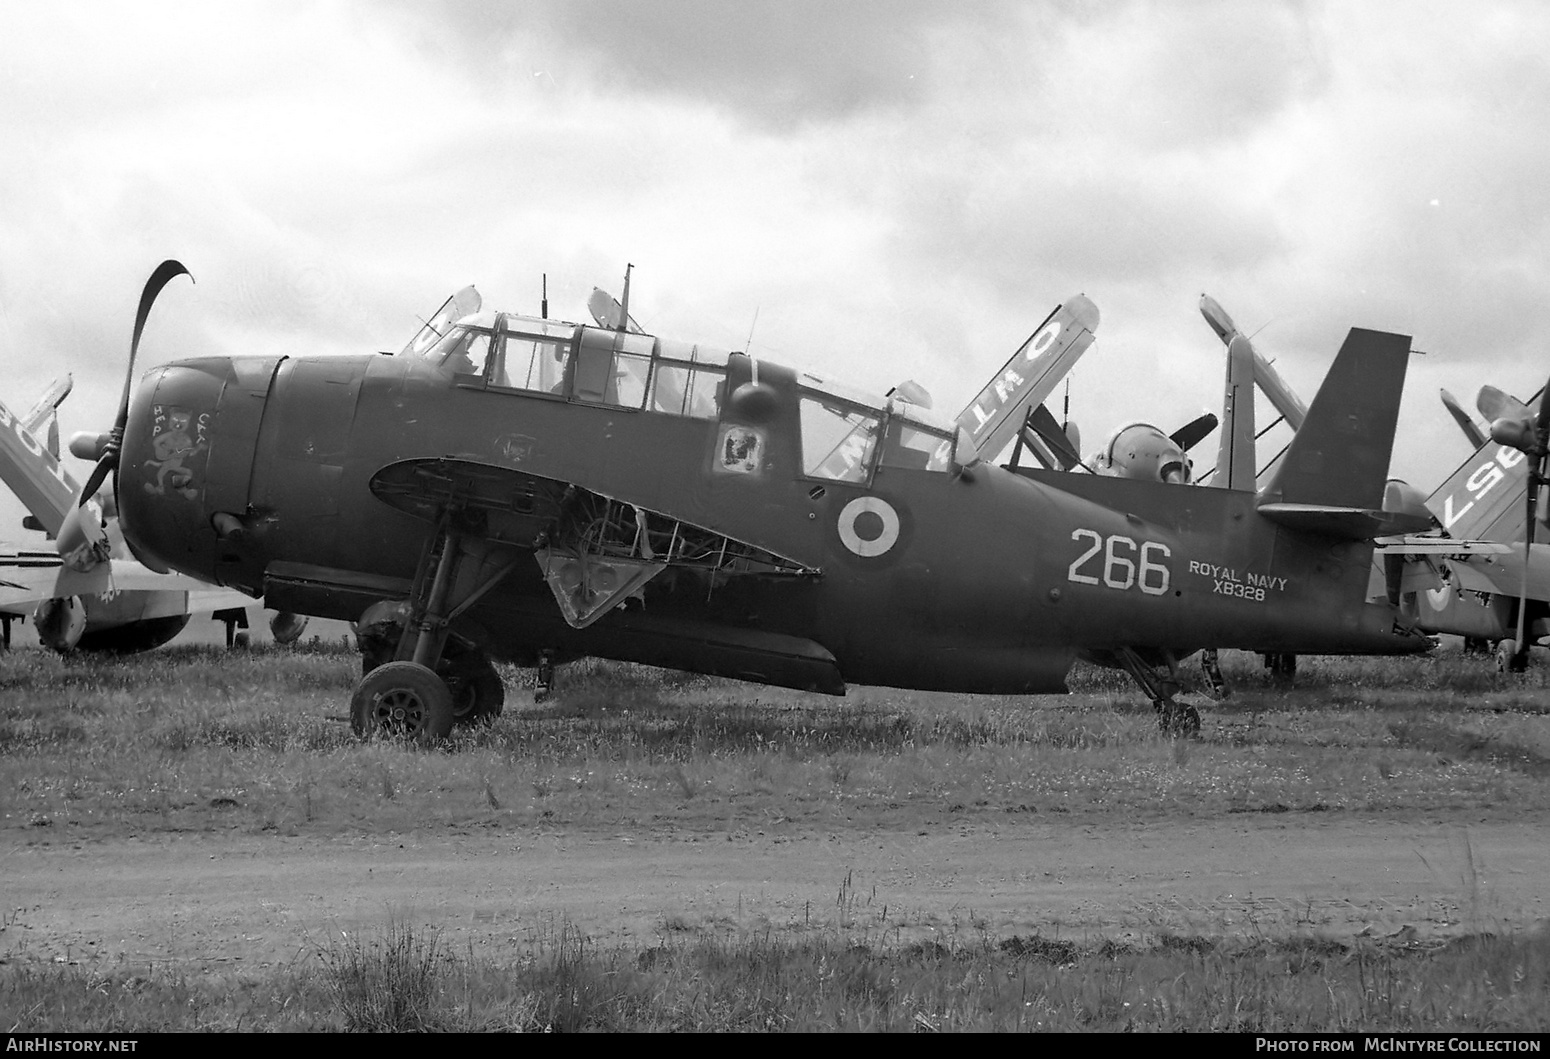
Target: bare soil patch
[222, 898]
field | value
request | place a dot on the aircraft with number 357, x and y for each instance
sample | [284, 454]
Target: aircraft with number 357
[518, 488]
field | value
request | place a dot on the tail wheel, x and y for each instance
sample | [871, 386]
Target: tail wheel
[402, 700]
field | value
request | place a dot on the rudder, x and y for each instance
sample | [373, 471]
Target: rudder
[1339, 458]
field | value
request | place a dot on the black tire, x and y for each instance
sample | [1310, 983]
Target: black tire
[1510, 659]
[402, 700]
[478, 695]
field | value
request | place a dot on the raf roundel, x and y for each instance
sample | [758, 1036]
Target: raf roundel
[869, 526]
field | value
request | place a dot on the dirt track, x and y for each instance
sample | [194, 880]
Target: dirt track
[239, 900]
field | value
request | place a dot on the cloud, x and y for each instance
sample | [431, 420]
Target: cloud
[895, 189]
[776, 64]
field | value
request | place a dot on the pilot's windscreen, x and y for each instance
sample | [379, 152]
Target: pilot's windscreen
[463, 352]
[837, 441]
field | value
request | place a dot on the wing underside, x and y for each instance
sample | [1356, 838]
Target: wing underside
[595, 551]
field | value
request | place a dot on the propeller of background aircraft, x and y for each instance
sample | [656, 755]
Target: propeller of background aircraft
[1465, 421]
[1513, 424]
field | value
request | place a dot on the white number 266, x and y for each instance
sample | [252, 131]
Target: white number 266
[1124, 563]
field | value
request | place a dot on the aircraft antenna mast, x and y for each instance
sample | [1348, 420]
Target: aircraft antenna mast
[543, 305]
[624, 305]
[753, 324]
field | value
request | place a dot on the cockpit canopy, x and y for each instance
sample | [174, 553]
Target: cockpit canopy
[846, 434]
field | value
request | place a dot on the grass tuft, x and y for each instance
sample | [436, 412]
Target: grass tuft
[390, 984]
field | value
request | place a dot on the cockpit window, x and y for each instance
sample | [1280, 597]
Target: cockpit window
[838, 440]
[918, 439]
[913, 448]
[688, 379]
[463, 351]
[612, 367]
[532, 363]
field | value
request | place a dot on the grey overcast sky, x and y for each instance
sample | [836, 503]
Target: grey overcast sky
[877, 190]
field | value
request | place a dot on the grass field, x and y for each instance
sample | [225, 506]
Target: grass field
[194, 740]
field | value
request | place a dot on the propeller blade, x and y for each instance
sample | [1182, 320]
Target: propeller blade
[1471, 431]
[1043, 425]
[1494, 405]
[1192, 433]
[165, 273]
[99, 474]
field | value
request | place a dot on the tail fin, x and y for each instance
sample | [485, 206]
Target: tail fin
[1332, 478]
[1235, 452]
[997, 414]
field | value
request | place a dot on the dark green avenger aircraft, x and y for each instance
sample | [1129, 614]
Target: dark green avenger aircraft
[528, 490]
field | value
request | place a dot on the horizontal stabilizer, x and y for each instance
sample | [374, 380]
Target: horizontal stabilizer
[1502, 575]
[1444, 546]
[1338, 462]
[1345, 523]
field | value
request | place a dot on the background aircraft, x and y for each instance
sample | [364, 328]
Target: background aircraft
[525, 486]
[138, 609]
[1486, 574]
[1465, 581]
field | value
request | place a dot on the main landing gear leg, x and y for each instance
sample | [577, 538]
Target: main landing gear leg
[406, 699]
[234, 618]
[1283, 667]
[1175, 718]
[418, 633]
[545, 676]
[1211, 666]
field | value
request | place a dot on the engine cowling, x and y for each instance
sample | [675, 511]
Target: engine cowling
[1143, 452]
[286, 628]
[60, 622]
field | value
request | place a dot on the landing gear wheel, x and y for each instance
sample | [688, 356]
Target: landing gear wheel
[477, 694]
[402, 700]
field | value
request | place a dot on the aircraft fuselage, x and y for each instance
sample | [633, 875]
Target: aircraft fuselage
[980, 579]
